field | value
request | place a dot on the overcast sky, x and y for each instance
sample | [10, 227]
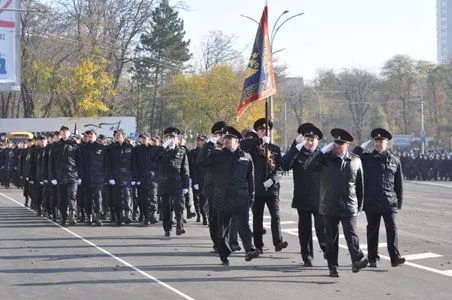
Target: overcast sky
[331, 34]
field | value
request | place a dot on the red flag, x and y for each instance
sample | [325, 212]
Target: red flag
[260, 80]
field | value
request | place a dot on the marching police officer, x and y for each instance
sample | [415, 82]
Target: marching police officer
[145, 155]
[341, 197]
[93, 176]
[267, 173]
[120, 173]
[217, 131]
[383, 195]
[197, 175]
[64, 173]
[173, 180]
[233, 177]
[306, 189]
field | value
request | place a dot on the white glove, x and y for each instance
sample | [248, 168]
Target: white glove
[196, 187]
[133, 183]
[79, 181]
[45, 181]
[54, 182]
[138, 182]
[299, 138]
[365, 144]
[166, 144]
[300, 145]
[266, 139]
[111, 182]
[32, 182]
[41, 182]
[268, 183]
[327, 148]
[184, 191]
[213, 140]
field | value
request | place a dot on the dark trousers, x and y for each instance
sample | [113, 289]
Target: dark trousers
[213, 221]
[136, 205]
[198, 201]
[121, 196]
[332, 239]
[225, 218]
[93, 199]
[147, 197]
[258, 219]
[67, 198]
[36, 196]
[305, 233]
[373, 226]
[46, 198]
[234, 235]
[172, 202]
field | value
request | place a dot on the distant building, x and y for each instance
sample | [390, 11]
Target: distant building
[444, 31]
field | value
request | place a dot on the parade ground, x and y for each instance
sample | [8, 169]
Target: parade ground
[42, 260]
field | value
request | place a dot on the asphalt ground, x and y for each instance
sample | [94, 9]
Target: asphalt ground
[41, 260]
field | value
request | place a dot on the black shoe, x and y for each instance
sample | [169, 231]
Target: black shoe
[397, 262]
[264, 231]
[333, 272]
[167, 234]
[261, 251]
[89, 220]
[281, 245]
[251, 254]
[373, 264]
[153, 218]
[184, 221]
[180, 231]
[235, 248]
[63, 221]
[307, 263]
[198, 219]
[204, 221]
[127, 220]
[225, 262]
[359, 265]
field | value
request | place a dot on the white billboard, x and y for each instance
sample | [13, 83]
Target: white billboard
[9, 45]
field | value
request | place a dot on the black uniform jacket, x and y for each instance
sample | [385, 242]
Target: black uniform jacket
[383, 181]
[65, 162]
[146, 161]
[173, 173]
[233, 177]
[306, 184]
[341, 183]
[120, 164]
[94, 158]
[263, 170]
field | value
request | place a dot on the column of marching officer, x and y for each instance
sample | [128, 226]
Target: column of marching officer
[94, 180]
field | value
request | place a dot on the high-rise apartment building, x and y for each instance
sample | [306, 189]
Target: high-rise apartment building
[444, 30]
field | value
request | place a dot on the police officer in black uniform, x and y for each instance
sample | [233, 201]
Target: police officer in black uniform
[383, 195]
[341, 197]
[145, 155]
[233, 176]
[197, 175]
[120, 167]
[93, 177]
[267, 173]
[217, 131]
[65, 173]
[306, 189]
[173, 177]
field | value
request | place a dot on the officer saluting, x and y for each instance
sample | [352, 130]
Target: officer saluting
[233, 176]
[341, 197]
[306, 189]
[173, 179]
[383, 194]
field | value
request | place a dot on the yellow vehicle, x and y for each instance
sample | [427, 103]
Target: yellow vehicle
[19, 136]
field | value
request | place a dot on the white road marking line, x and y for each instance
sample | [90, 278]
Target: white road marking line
[380, 245]
[294, 231]
[431, 183]
[185, 296]
[421, 256]
[281, 222]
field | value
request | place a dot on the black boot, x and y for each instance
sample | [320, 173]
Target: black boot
[127, 219]
[89, 219]
[153, 218]
[118, 218]
[26, 201]
[54, 214]
[98, 219]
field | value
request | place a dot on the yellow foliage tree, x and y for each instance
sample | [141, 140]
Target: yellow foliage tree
[201, 99]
